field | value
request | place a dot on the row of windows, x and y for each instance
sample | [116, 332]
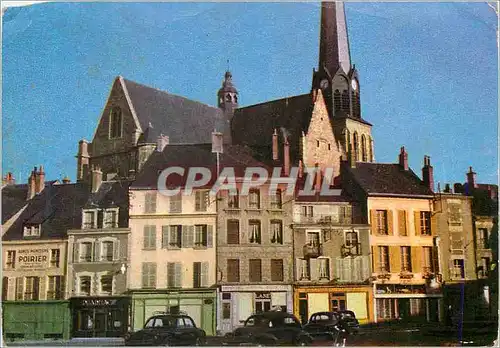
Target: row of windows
[254, 270]
[202, 201]
[28, 288]
[386, 262]
[103, 282]
[342, 102]
[178, 236]
[382, 222]
[100, 218]
[54, 260]
[93, 251]
[175, 274]
[363, 152]
[343, 216]
[254, 233]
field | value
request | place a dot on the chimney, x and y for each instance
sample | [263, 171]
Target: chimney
[447, 188]
[275, 145]
[317, 181]
[471, 178]
[403, 158]
[96, 177]
[351, 157]
[161, 142]
[40, 180]
[9, 179]
[286, 155]
[66, 180]
[83, 161]
[428, 173]
[31, 185]
[458, 188]
[301, 169]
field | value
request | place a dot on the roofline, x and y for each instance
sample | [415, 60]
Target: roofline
[129, 102]
[34, 241]
[399, 195]
[272, 101]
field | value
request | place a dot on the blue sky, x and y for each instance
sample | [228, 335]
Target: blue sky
[428, 72]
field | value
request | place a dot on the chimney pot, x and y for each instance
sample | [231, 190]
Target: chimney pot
[403, 158]
[275, 145]
[286, 155]
[428, 173]
[471, 178]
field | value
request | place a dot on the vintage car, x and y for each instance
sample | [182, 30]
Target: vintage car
[335, 326]
[348, 321]
[167, 330]
[273, 328]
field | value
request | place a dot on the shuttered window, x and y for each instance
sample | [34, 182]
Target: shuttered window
[11, 259]
[233, 232]
[174, 274]
[233, 270]
[427, 260]
[201, 200]
[402, 223]
[381, 222]
[149, 237]
[176, 203]
[254, 232]
[150, 203]
[5, 288]
[425, 223]
[383, 259]
[55, 288]
[19, 288]
[200, 235]
[276, 232]
[175, 236]
[85, 285]
[406, 259]
[277, 270]
[255, 270]
[200, 274]
[149, 275]
[254, 199]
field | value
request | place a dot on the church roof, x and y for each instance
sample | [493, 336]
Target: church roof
[13, 199]
[379, 179]
[254, 125]
[181, 119]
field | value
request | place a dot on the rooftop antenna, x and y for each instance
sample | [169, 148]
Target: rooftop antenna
[227, 65]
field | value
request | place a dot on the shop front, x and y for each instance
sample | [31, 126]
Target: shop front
[237, 303]
[312, 299]
[413, 303]
[198, 304]
[100, 316]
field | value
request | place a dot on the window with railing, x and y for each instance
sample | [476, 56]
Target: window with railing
[384, 265]
[254, 199]
[276, 200]
[55, 256]
[175, 236]
[458, 270]
[352, 242]
[428, 260]
[32, 288]
[324, 268]
[483, 239]
[304, 273]
[276, 232]
[381, 216]
[254, 232]
[233, 199]
[405, 259]
[425, 223]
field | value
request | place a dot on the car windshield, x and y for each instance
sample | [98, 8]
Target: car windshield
[347, 315]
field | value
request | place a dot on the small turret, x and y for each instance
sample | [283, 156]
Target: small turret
[227, 101]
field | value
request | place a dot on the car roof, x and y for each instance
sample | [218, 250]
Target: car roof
[319, 313]
[272, 315]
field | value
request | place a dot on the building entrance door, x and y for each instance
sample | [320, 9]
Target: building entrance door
[404, 308]
[337, 302]
[100, 323]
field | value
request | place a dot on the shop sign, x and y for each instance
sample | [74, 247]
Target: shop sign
[262, 295]
[33, 259]
[98, 302]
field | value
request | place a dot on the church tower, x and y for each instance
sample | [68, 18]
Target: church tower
[339, 82]
[227, 101]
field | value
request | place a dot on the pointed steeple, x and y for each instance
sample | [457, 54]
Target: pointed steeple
[334, 41]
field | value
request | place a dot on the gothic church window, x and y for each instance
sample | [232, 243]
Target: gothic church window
[336, 100]
[345, 100]
[115, 128]
[356, 145]
[363, 149]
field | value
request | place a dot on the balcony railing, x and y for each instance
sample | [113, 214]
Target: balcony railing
[325, 219]
[427, 272]
[312, 250]
[352, 249]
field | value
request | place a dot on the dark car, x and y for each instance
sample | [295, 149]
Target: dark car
[335, 326]
[348, 321]
[167, 330]
[269, 329]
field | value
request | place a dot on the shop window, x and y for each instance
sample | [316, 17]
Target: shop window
[107, 251]
[406, 259]
[110, 219]
[276, 232]
[417, 307]
[89, 219]
[233, 232]
[175, 204]
[85, 285]
[262, 302]
[381, 217]
[385, 308]
[276, 200]
[383, 259]
[115, 123]
[233, 199]
[150, 203]
[11, 259]
[425, 223]
[277, 270]
[233, 270]
[149, 237]
[226, 310]
[254, 232]
[55, 288]
[200, 235]
[86, 252]
[107, 284]
[255, 270]
[55, 256]
[201, 200]
[254, 199]
[149, 275]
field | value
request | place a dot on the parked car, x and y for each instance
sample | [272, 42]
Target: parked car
[335, 326]
[167, 330]
[349, 321]
[271, 328]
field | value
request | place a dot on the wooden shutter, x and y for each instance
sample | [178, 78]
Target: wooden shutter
[116, 250]
[153, 236]
[376, 259]
[145, 275]
[435, 260]
[170, 274]
[338, 269]
[19, 288]
[11, 290]
[97, 251]
[184, 235]
[210, 236]
[416, 217]
[356, 274]
[402, 223]
[233, 232]
[395, 258]
[173, 235]
[62, 287]
[178, 274]
[417, 254]
[197, 274]
[390, 223]
[145, 242]
[190, 237]
[40, 283]
[373, 221]
[197, 200]
[76, 252]
[204, 274]
[365, 264]
[314, 269]
[165, 230]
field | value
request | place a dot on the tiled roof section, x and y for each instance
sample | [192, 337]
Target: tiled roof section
[57, 208]
[13, 199]
[388, 179]
[111, 194]
[238, 157]
[182, 120]
[255, 124]
[358, 119]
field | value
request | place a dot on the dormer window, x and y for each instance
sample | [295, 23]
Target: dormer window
[110, 218]
[32, 230]
[115, 123]
[89, 219]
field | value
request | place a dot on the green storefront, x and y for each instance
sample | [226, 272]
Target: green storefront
[198, 304]
[36, 320]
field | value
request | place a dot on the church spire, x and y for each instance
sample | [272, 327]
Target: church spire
[334, 41]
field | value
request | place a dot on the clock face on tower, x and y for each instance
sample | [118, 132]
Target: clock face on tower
[324, 84]
[354, 85]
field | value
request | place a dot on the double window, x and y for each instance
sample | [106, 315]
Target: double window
[254, 232]
[89, 219]
[200, 235]
[201, 200]
[149, 275]
[32, 230]
[425, 223]
[55, 288]
[233, 200]
[55, 256]
[200, 274]
[276, 232]
[149, 237]
[31, 291]
[405, 259]
[276, 200]
[11, 259]
[254, 199]
[174, 274]
[458, 271]
[383, 260]
[482, 239]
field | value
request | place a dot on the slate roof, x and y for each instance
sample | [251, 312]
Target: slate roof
[238, 157]
[182, 120]
[57, 208]
[13, 199]
[388, 179]
[254, 125]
